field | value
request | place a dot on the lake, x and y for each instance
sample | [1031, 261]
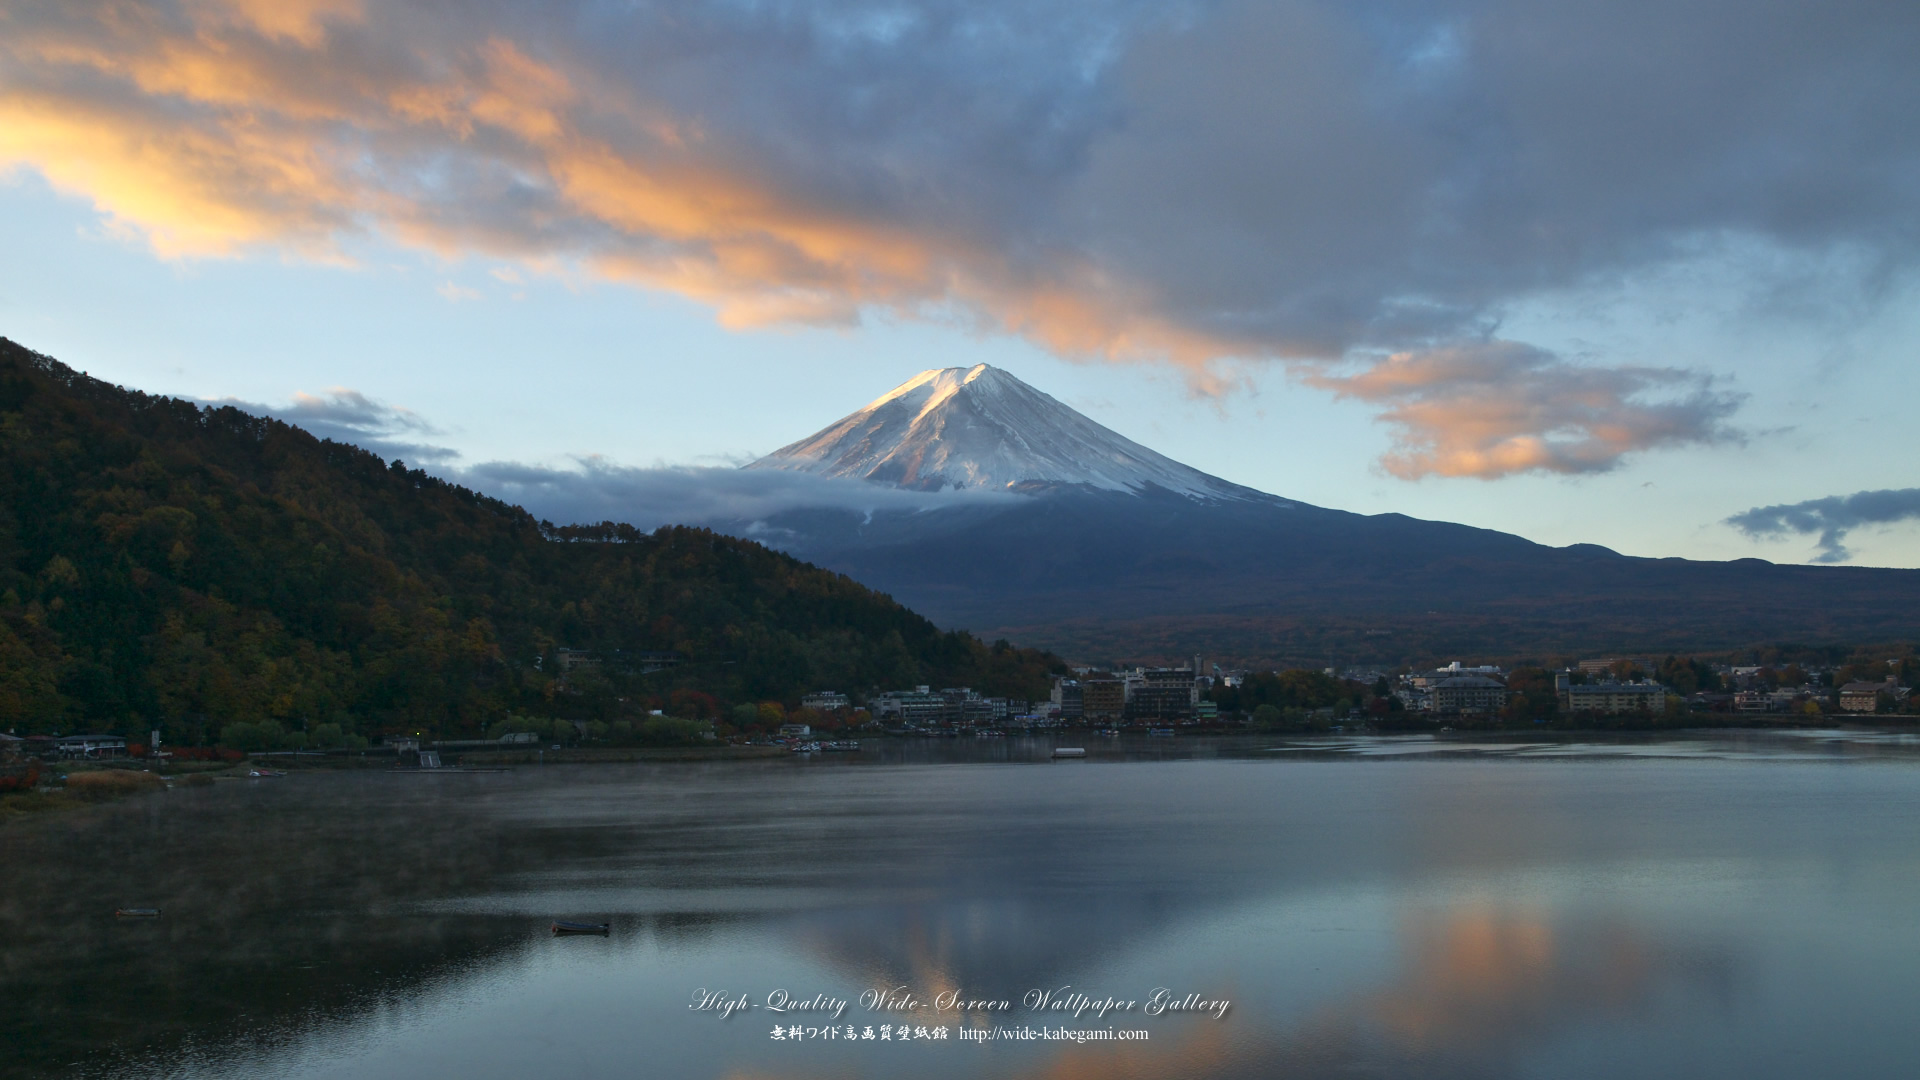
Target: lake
[1726, 905]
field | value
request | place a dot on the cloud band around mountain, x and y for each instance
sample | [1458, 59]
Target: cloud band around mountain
[1831, 518]
[595, 490]
[1306, 182]
[592, 489]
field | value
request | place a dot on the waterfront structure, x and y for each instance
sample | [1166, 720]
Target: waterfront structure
[1864, 697]
[919, 707]
[1617, 698]
[1103, 698]
[1066, 702]
[91, 746]
[1467, 694]
[1163, 694]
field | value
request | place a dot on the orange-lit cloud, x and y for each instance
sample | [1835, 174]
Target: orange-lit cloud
[238, 125]
[1493, 408]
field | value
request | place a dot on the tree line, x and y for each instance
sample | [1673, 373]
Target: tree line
[203, 571]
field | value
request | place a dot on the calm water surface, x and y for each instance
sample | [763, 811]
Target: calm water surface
[1738, 906]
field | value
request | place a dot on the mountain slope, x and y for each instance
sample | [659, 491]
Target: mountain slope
[980, 427]
[164, 564]
[1132, 570]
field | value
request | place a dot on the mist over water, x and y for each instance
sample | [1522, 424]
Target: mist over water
[1735, 906]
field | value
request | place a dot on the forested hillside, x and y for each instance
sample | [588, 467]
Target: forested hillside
[168, 565]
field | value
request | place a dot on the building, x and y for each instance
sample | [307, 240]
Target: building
[825, 701]
[569, 660]
[919, 707]
[968, 708]
[1066, 703]
[1467, 694]
[90, 746]
[1103, 698]
[1163, 694]
[796, 731]
[1617, 698]
[1864, 697]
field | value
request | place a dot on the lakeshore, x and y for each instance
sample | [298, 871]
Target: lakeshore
[138, 778]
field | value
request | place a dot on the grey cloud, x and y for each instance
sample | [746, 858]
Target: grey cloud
[349, 416]
[596, 490]
[1832, 518]
[1314, 182]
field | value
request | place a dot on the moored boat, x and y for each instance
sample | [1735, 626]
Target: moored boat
[137, 912]
[1069, 751]
[562, 926]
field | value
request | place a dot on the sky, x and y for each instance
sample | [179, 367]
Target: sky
[1638, 274]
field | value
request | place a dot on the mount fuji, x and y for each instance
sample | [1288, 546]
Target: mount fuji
[1103, 549]
[981, 428]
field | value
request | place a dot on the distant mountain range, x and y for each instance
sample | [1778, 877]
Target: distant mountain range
[1118, 552]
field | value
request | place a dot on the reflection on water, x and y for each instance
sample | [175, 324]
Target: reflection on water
[1710, 907]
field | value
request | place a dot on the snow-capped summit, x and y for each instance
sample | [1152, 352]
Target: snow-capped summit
[982, 428]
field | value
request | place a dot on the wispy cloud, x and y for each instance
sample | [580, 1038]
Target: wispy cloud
[349, 416]
[1493, 408]
[1832, 518]
[1297, 181]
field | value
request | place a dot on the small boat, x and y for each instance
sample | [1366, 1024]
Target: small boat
[561, 926]
[806, 748]
[137, 912]
[1069, 751]
[1161, 732]
[265, 773]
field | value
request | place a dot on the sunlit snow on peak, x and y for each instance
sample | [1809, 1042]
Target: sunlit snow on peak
[981, 427]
